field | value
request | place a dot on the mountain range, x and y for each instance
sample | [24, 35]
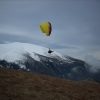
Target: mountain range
[34, 58]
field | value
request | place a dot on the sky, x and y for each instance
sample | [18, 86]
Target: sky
[75, 25]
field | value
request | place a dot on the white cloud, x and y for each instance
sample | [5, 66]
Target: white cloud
[93, 62]
[75, 69]
[97, 55]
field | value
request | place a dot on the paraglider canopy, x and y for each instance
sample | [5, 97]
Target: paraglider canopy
[46, 28]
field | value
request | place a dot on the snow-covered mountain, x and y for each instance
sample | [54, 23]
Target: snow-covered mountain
[34, 58]
[15, 51]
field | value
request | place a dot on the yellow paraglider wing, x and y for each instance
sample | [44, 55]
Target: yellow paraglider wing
[46, 28]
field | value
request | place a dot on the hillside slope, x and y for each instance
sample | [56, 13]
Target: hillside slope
[19, 85]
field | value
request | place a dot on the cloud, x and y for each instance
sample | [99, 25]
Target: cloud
[93, 62]
[61, 46]
[75, 69]
[2, 42]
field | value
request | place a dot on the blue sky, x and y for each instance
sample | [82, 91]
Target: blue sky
[75, 25]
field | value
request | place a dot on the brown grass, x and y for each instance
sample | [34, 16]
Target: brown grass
[19, 85]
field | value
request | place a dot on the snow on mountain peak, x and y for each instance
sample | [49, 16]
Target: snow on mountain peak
[14, 51]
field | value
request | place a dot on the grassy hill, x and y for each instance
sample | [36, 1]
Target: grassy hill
[19, 85]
